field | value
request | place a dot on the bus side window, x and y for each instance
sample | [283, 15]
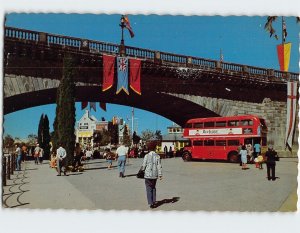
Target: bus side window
[233, 123]
[209, 142]
[198, 125]
[209, 124]
[233, 142]
[220, 142]
[197, 143]
[221, 124]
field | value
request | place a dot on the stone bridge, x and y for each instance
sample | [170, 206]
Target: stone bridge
[174, 86]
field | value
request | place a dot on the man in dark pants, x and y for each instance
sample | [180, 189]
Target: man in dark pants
[271, 162]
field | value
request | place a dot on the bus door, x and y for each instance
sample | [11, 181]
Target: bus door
[197, 149]
[209, 149]
[220, 149]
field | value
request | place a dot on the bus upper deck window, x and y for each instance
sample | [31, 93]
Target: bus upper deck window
[209, 124]
[246, 122]
[233, 123]
[198, 125]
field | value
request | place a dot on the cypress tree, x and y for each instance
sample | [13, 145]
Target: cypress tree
[40, 131]
[46, 137]
[64, 122]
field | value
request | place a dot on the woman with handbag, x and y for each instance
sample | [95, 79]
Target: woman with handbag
[153, 171]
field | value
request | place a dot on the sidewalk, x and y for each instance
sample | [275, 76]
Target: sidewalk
[204, 186]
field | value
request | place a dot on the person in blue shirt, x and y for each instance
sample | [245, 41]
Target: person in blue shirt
[257, 149]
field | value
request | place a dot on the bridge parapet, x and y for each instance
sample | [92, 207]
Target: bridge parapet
[100, 47]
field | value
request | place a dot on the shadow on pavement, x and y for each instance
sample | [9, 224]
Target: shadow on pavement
[166, 201]
[130, 175]
[98, 168]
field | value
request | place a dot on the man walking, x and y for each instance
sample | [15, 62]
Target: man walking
[271, 158]
[61, 154]
[19, 157]
[121, 153]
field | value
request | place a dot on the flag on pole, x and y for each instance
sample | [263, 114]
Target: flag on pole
[103, 106]
[284, 52]
[108, 72]
[127, 25]
[122, 64]
[135, 75]
[84, 105]
[291, 112]
[93, 106]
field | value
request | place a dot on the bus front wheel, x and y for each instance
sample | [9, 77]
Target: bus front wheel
[233, 157]
[186, 156]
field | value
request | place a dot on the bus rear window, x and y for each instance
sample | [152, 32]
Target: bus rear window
[197, 143]
[209, 143]
[233, 143]
[220, 142]
[209, 124]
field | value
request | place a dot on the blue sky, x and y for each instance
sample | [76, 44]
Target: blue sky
[242, 40]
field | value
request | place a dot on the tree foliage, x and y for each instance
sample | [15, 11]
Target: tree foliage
[64, 122]
[114, 133]
[135, 138]
[8, 141]
[147, 134]
[270, 28]
[126, 137]
[40, 131]
[46, 137]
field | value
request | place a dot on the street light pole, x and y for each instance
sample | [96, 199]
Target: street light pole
[122, 45]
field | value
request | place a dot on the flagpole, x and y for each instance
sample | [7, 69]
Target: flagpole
[122, 25]
[282, 36]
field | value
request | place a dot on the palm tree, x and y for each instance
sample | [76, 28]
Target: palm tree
[269, 27]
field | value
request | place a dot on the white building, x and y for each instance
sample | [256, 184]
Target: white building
[173, 138]
[86, 127]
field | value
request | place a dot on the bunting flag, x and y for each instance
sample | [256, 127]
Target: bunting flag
[93, 106]
[291, 112]
[103, 106]
[84, 105]
[108, 72]
[122, 64]
[127, 25]
[284, 52]
[135, 75]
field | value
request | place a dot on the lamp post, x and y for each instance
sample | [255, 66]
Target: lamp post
[122, 45]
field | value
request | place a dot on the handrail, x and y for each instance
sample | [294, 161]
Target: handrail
[104, 47]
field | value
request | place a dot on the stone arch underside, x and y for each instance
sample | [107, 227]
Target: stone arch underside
[171, 107]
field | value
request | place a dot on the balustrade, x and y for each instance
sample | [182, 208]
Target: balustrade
[102, 47]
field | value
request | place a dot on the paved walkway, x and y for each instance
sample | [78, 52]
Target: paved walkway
[192, 186]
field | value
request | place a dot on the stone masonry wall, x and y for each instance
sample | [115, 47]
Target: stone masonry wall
[273, 112]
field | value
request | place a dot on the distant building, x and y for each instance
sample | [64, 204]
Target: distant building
[86, 127]
[173, 138]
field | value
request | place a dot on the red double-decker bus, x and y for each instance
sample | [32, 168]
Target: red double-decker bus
[219, 138]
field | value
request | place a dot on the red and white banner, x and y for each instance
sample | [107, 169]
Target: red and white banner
[291, 112]
[135, 75]
[108, 72]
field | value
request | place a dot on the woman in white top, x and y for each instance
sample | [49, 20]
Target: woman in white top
[243, 153]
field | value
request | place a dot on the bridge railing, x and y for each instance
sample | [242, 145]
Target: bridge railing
[103, 47]
[21, 34]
